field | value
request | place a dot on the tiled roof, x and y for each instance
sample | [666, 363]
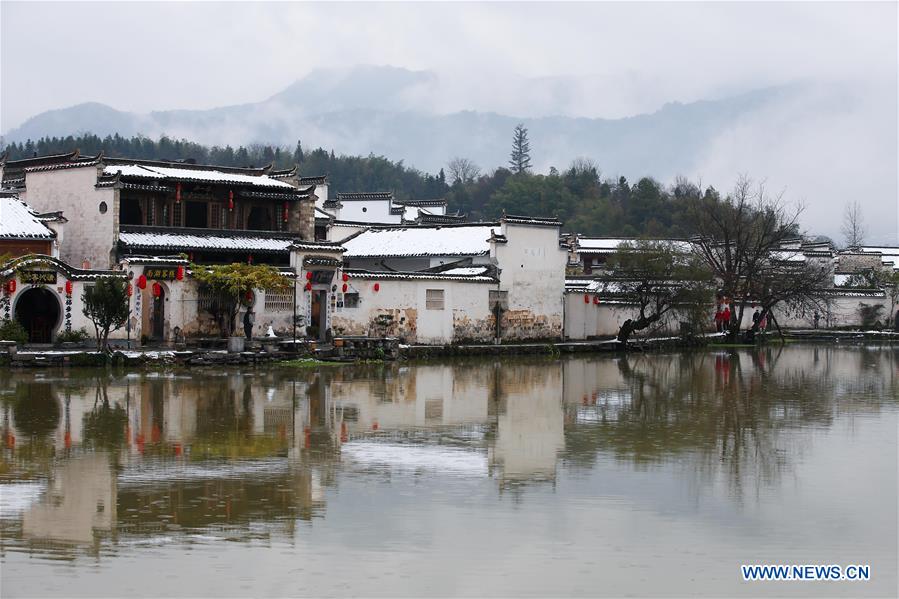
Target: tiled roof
[531, 220]
[429, 276]
[461, 240]
[366, 195]
[186, 172]
[314, 180]
[320, 261]
[76, 274]
[143, 239]
[317, 246]
[18, 221]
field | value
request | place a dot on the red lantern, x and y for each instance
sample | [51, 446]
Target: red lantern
[308, 286]
[69, 287]
[230, 201]
[586, 299]
[142, 281]
[130, 290]
[179, 273]
[346, 277]
[11, 286]
[157, 290]
[178, 193]
[249, 296]
[596, 299]
[345, 286]
[286, 213]
[190, 256]
[249, 258]
[377, 287]
[309, 276]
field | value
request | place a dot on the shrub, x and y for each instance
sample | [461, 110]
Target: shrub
[78, 336]
[12, 330]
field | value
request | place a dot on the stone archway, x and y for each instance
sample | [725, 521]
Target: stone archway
[39, 311]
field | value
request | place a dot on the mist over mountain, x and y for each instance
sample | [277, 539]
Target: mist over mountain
[382, 110]
[787, 134]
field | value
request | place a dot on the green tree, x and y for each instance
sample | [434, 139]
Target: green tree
[520, 160]
[106, 305]
[230, 284]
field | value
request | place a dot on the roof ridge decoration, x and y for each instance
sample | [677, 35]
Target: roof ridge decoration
[17, 163]
[530, 220]
[75, 163]
[365, 195]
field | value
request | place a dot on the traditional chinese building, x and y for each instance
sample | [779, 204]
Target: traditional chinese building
[152, 219]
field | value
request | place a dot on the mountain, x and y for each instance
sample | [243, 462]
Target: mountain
[378, 110]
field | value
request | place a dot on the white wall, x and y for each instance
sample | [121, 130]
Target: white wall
[532, 270]
[368, 211]
[466, 314]
[90, 235]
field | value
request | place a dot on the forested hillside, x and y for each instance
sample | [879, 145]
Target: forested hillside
[578, 195]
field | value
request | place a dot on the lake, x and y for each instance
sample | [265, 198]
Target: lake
[653, 474]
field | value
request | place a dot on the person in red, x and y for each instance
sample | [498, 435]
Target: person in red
[725, 318]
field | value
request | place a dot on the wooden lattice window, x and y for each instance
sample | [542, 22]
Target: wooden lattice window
[177, 211]
[215, 216]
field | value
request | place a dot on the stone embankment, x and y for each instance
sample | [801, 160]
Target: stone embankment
[354, 349]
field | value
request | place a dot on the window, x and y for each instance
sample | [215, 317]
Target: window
[103, 208]
[500, 298]
[350, 300]
[195, 215]
[130, 212]
[215, 213]
[278, 301]
[434, 299]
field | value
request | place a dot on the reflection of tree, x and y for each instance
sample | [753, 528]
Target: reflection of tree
[725, 412]
[104, 425]
[36, 410]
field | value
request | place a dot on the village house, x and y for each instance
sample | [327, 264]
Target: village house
[446, 283]
[39, 290]
[152, 219]
[593, 309]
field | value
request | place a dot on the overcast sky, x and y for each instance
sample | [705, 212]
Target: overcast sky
[623, 59]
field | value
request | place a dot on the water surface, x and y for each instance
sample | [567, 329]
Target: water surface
[648, 475]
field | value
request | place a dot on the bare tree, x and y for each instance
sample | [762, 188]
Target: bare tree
[750, 241]
[657, 279]
[462, 170]
[853, 228]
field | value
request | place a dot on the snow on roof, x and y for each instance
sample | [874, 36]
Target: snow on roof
[205, 174]
[610, 244]
[788, 256]
[421, 241]
[465, 270]
[150, 240]
[19, 221]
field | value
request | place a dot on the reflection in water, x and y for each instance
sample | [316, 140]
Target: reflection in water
[97, 462]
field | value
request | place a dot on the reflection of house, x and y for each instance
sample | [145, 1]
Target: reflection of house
[80, 498]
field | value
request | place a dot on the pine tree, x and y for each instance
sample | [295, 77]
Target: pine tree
[521, 150]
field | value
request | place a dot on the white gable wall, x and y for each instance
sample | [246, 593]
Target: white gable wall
[92, 235]
[532, 270]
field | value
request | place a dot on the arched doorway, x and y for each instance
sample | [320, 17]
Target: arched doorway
[38, 310]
